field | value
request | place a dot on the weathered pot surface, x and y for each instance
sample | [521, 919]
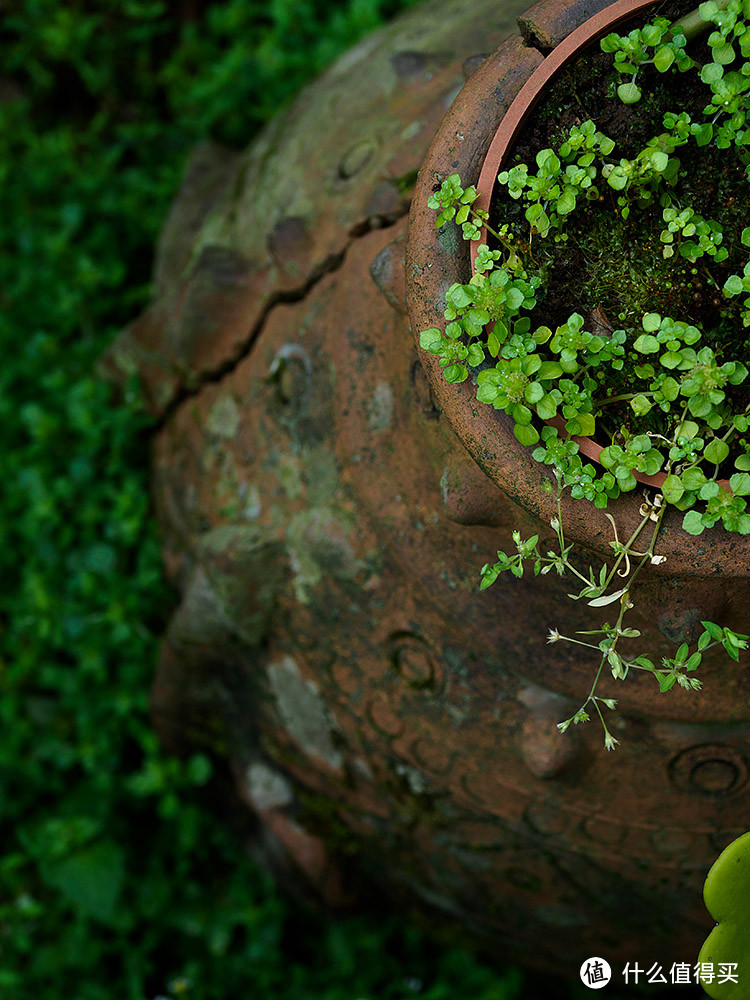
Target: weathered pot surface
[325, 525]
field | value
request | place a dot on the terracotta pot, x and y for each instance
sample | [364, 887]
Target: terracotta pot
[326, 503]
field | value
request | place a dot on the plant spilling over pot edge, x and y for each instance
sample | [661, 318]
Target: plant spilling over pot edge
[668, 393]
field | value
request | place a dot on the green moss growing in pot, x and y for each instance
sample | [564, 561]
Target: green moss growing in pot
[609, 309]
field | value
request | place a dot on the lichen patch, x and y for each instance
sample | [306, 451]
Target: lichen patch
[303, 711]
[380, 407]
[224, 418]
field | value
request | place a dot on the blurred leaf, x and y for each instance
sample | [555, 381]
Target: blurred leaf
[91, 879]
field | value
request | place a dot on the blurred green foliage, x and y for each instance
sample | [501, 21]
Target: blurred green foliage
[120, 876]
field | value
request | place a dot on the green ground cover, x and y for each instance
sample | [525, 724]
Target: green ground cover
[119, 875]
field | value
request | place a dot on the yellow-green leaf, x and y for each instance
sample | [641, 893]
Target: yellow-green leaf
[727, 896]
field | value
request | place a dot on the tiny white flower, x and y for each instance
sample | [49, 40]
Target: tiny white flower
[554, 524]
[656, 560]
[554, 635]
[610, 741]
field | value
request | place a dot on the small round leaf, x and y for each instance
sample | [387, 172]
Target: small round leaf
[672, 489]
[629, 93]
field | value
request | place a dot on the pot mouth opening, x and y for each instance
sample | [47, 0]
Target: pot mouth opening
[505, 140]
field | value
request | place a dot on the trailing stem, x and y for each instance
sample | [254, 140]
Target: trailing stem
[608, 638]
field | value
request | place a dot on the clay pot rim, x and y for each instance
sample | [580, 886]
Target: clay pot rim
[510, 127]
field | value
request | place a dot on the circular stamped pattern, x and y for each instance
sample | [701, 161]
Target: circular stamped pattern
[413, 660]
[711, 769]
[384, 718]
[433, 757]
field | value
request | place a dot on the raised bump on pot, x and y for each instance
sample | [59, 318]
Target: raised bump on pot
[357, 157]
[291, 372]
[304, 713]
[469, 497]
[543, 749]
[387, 271]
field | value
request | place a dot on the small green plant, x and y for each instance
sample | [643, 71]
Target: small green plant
[655, 44]
[666, 395]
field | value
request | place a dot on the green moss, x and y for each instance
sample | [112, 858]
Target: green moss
[405, 183]
[321, 816]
